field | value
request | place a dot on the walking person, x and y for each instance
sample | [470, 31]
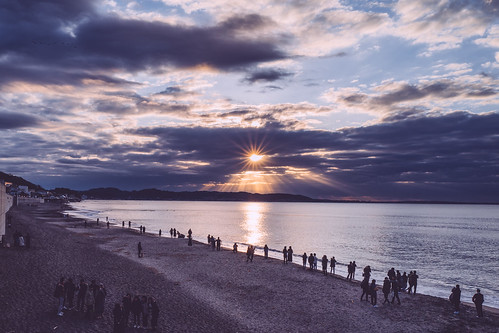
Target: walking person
[234, 248]
[59, 294]
[139, 248]
[415, 281]
[478, 299]
[455, 298]
[333, 265]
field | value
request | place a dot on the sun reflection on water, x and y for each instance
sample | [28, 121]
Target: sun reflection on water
[253, 222]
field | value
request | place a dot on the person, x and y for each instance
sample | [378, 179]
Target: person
[82, 290]
[154, 313]
[118, 318]
[333, 265]
[122, 224]
[315, 261]
[89, 304]
[365, 289]
[324, 264]
[455, 298]
[399, 280]
[404, 281]
[391, 273]
[234, 248]
[171, 234]
[107, 224]
[478, 300]
[349, 270]
[175, 232]
[136, 310]
[266, 251]
[386, 289]
[100, 297]
[415, 281]
[209, 238]
[373, 292]
[139, 248]
[367, 272]
[354, 266]
[129, 224]
[212, 240]
[97, 221]
[219, 243]
[127, 307]
[248, 253]
[304, 257]
[59, 294]
[93, 287]
[395, 289]
[285, 254]
[252, 253]
[159, 232]
[69, 290]
[144, 229]
[189, 232]
[311, 261]
[145, 312]
[290, 254]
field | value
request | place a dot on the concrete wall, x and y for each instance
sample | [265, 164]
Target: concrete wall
[29, 201]
[6, 202]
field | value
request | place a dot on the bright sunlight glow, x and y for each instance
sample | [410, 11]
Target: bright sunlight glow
[255, 157]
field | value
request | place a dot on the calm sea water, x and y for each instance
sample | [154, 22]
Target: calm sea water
[445, 244]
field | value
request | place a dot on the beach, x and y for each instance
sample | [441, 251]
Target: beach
[197, 289]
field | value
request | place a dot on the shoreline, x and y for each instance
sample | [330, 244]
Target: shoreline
[202, 290]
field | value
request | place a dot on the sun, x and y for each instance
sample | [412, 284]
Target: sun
[255, 158]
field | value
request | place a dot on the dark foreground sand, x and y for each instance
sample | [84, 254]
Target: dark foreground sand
[198, 290]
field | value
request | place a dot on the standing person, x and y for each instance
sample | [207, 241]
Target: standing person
[107, 224]
[333, 265]
[212, 240]
[455, 298]
[395, 289]
[478, 300]
[252, 253]
[139, 248]
[391, 273]
[354, 266]
[189, 232]
[399, 279]
[234, 248]
[69, 290]
[219, 243]
[127, 307]
[154, 314]
[175, 232]
[100, 298]
[89, 304]
[304, 257]
[349, 270]
[404, 281]
[145, 312]
[248, 253]
[386, 289]
[122, 224]
[59, 294]
[144, 229]
[129, 224]
[365, 289]
[136, 310]
[367, 272]
[373, 291]
[159, 232]
[118, 318]
[311, 261]
[411, 281]
[266, 251]
[171, 234]
[290, 254]
[415, 281]
[315, 261]
[82, 290]
[324, 264]
[285, 254]
[209, 238]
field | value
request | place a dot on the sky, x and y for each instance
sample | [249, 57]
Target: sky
[344, 100]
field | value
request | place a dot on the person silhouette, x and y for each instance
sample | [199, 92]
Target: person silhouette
[266, 251]
[478, 300]
[285, 254]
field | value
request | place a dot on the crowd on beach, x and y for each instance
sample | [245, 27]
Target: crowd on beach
[90, 302]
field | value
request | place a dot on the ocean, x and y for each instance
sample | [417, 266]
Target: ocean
[445, 244]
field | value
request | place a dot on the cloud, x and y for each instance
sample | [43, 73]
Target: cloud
[267, 75]
[10, 120]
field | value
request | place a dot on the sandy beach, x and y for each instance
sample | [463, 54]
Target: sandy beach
[197, 289]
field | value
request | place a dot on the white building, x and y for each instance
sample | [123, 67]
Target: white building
[6, 202]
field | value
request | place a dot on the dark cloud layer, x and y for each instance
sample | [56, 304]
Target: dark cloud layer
[267, 75]
[450, 158]
[10, 120]
[62, 42]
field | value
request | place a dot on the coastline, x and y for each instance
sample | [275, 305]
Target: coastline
[197, 289]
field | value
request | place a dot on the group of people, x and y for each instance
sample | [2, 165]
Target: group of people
[141, 307]
[215, 243]
[90, 299]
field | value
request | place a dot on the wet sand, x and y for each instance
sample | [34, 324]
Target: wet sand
[198, 290]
